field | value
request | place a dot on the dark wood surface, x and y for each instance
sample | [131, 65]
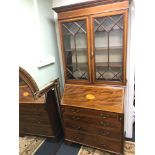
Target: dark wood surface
[95, 118]
[93, 141]
[109, 134]
[104, 98]
[26, 96]
[40, 118]
[95, 128]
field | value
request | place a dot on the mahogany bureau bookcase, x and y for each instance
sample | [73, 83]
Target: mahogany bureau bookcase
[93, 38]
[38, 110]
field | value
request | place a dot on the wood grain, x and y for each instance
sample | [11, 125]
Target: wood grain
[26, 96]
[89, 128]
[93, 141]
[106, 98]
[93, 10]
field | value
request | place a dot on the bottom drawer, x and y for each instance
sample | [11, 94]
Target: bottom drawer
[94, 141]
[36, 129]
[95, 130]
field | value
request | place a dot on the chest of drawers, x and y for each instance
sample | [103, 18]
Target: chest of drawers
[38, 115]
[93, 122]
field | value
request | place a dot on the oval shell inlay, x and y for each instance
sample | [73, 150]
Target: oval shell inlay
[25, 94]
[90, 96]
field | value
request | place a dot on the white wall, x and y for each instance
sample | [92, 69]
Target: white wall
[130, 64]
[57, 3]
[38, 40]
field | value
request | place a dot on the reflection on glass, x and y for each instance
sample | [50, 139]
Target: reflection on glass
[75, 48]
[108, 47]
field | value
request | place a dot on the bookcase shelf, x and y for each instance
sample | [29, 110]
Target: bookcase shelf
[97, 49]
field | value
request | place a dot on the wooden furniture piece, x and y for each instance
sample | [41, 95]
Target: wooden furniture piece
[93, 37]
[38, 111]
[94, 41]
[94, 116]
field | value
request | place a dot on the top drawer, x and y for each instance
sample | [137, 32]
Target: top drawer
[89, 112]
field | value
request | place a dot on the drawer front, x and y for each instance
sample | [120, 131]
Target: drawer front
[88, 128]
[104, 123]
[32, 108]
[89, 112]
[34, 113]
[94, 141]
[35, 129]
[34, 119]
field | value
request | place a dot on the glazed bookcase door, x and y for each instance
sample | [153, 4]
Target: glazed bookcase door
[75, 50]
[109, 57]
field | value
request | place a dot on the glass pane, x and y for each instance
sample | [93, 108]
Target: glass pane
[75, 48]
[108, 47]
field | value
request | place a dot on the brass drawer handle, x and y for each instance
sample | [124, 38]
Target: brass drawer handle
[104, 124]
[75, 118]
[76, 127]
[105, 133]
[75, 111]
[103, 145]
[104, 115]
[120, 118]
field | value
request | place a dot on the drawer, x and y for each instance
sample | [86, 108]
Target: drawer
[35, 121]
[35, 129]
[94, 141]
[32, 115]
[32, 108]
[89, 112]
[103, 123]
[88, 128]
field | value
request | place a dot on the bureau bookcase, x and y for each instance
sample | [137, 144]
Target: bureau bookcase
[93, 37]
